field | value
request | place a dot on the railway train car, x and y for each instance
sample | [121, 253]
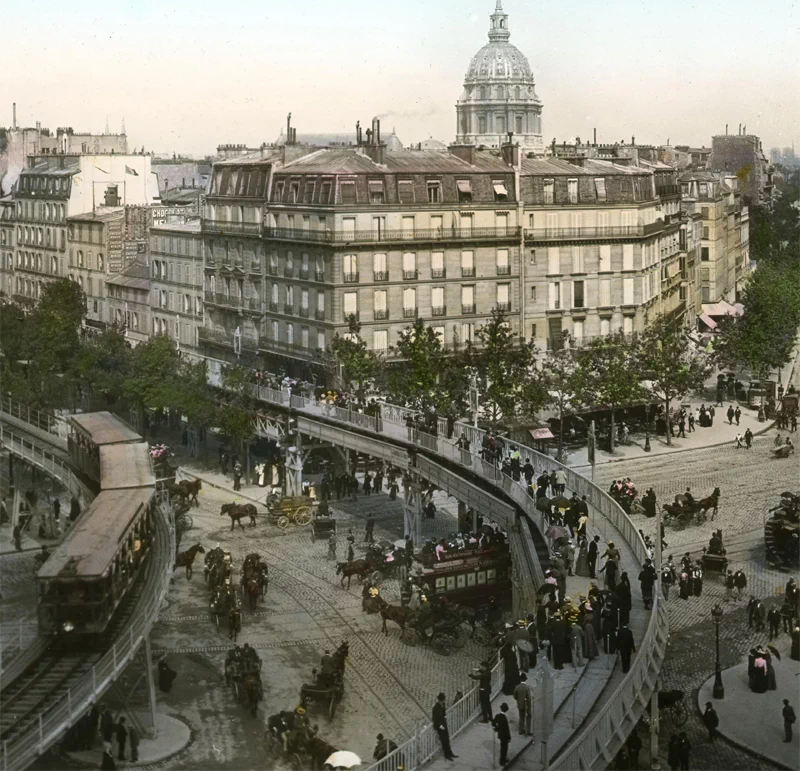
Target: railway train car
[86, 578]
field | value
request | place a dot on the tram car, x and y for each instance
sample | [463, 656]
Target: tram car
[87, 577]
[468, 576]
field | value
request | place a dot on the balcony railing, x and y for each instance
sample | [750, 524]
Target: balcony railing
[354, 314]
[319, 275]
[229, 301]
[665, 191]
[221, 337]
[304, 273]
[503, 270]
[350, 278]
[290, 349]
[439, 310]
[380, 275]
[272, 270]
[304, 312]
[288, 271]
[409, 313]
[319, 315]
[410, 275]
[223, 227]
[468, 310]
[385, 236]
[467, 272]
[504, 306]
[273, 307]
[255, 267]
[381, 315]
[288, 309]
[438, 273]
[229, 263]
[620, 231]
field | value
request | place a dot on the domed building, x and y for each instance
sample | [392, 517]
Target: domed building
[499, 94]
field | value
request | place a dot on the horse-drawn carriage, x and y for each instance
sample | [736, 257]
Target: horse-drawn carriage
[323, 524]
[714, 558]
[328, 685]
[224, 604]
[243, 674]
[440, 627]
[686, 511]
[783, 450]
[782, 533]
[297, 509]
[289, 734]
[255, 579]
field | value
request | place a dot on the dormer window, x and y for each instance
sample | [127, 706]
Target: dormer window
[464, 190]
[294, 192]
[278, 192]
[500, 191]
[405, 191]
[376, 194]
[348, 191]
[434, 191]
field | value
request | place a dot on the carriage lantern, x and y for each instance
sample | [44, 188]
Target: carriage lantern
[719, 689]
[68, 626]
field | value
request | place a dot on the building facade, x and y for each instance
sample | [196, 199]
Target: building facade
[742, 155]
[129, 302]
[499, 94]
[7, 232]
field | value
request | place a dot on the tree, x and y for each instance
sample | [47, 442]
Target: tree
[103, 363]
[500, 361]
[235, 416]
[610, 378]
[666, 360]
[153, 378]
[359, 365]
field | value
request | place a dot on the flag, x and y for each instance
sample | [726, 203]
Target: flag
[129, 170]
[103, 170]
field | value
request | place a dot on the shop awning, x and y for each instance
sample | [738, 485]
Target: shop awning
[708, 321]
[721, 308]
[540, 434]
[500, 188]
[464, 186]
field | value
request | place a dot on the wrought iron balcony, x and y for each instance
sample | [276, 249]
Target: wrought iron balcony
[319, 275]
[224, 227]
[381, 315]
[438, 273]
[304, 273]
[350, 278]
[410, 275]
[288, 309]
[288, 271]
[621, 231]
[467, 272]
[468, 310]
[439, 310]
[304, 312]
[223, 338]
[273, 307]
[503, 270]
[504, 306]
[409, 313]
[390, 236]
[319, 315]
[380, 275]
[272, 270]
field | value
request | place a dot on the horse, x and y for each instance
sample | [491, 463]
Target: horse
[318, 750]
[360, 568]
[187, 488]
[253, 590]
[254, 691]
[340, 656]
[236, 511]
[186, 558]
[234, 622]
[712, 502]
[400, 615]
[263, 579]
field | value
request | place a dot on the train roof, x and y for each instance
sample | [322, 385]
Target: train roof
[125, 466]
[105, 428]
[89, 547]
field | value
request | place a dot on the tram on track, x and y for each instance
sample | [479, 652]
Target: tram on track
[88, 575]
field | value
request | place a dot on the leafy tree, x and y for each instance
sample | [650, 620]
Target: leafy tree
[14, 341]
[672, 367]
[103, 363]
[500, 361]
[415, 383]
[153, 379]
[195, 395]
[359, 364]
[235, 416]
[610, 378]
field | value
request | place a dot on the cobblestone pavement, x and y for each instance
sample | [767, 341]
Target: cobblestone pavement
[750, 482]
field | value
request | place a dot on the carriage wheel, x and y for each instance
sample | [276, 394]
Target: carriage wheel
[441, 643]
[679, 714]
[482, 636]
[376, 577]
[236, 690]
[283, 522]
[302, 516]
[458, 639]
[187, 523]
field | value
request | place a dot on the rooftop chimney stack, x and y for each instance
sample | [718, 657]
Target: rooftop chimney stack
[14, 124]
[595, 138]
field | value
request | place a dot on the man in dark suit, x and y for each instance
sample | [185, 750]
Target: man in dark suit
[788, 720]
[500, 723]
[440, 724]
[592, 556]
[625, 646]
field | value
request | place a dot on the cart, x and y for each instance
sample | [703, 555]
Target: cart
[298, 509]
[322, 527]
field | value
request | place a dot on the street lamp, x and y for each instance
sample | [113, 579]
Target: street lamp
[647, 430]
[719, 688]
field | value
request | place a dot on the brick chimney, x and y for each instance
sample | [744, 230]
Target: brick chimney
[465, 152]
[510, 151]
[375, 149]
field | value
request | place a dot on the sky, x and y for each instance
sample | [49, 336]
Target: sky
[187, 76]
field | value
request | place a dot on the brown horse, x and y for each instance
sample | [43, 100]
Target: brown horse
[712, 502]
[236, 511]
[254, 691]
[186, 558]
[360, 568]
[253, 590]
[400, 615]
[234, 622]
[187, 489]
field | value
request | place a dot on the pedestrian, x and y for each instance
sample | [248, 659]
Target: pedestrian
[739, 583]
[730, 414]
[107, 763]
[370, 526]
[794, 423]
[74, 508]
[94, 718]
[788, 720]
[332, 546]
[17, 535]
[351, 553]
[647, 579]
[684, 748]
[223, 462]
[774, 622]
[758, 616]
[787, 612]
[672, 753]
[501, 727]
[634, 745]
[561, 481]
[711, 412]
[738, 441]
[738, 414]
[748, 438]
[625, 646]
[682, 427]
[729, 586]
[56, 508]
[484, 677]
[367, 483]
[237, 476]
[439, 719]
[577, 643]
[711, 721]
[592, 556]
[133, 738]
[524, 699]
[691, 421]
[107, 729]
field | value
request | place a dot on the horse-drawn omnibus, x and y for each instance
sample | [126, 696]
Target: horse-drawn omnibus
[90, 432]
[468, 576]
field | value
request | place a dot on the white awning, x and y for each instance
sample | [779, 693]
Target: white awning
[708, 321]
[500, 188]
[464, 186]
[721, 308]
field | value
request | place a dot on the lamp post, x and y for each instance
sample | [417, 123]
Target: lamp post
[647, 430]
[719, 688]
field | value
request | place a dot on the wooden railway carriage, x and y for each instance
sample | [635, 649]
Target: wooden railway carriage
[92, 431]
[468, 576]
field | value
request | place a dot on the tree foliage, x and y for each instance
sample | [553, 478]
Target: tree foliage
[359, 364]
[103, 363]
[153, 380]
[234, 417]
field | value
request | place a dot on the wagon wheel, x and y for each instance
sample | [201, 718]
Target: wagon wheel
[376, 577]
[458, 639]
[302, 516]
[441, 643]
[283, 522]
[187, 523]
[236, 690]
[482, 636]
[679, 714]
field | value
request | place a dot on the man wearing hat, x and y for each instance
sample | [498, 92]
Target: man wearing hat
[383, 747]
[484, 678]
[439, 719]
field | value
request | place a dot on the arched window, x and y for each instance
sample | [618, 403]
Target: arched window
[483, 92]
[517, 93]
[499, 92]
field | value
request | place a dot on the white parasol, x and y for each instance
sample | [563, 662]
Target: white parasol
[343, 759]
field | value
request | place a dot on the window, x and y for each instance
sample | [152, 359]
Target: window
[376, 192]
[533, 294]
[321, 341]
[518, 119]
[350, 267]
[294, 192]
[572, 190]
[605, 258]
[304, 299]
[503, 268]
[308, 191]
[350, 304]
[503, 294]
[577, 294]
[704, 212]
[500, 120]
[409, 265]
[532, 256]
[80, 258]
[577, 329]
[437, 265]
[468, 299]
[464, 190]
[437, 301]
[379, 300]
[605, 292]
[627, 291]
[554, 296]
[481, 124]
[627, 325]
[600, 188]
[627, 256]
[405, 191]
[320, 301]
[553, 260]
[348, 192]
[290, 334]
[467, 263]
[379, 267]
[500, 191]
[409, 302]
[468, 332]
[439, 332]
[325, 194]
[704, 254]
[434, 191]
[549, 190]
[380, 340]
[577, 260]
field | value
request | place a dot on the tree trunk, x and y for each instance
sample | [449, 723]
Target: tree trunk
[669, 432]
[560, 430]
[611, 436]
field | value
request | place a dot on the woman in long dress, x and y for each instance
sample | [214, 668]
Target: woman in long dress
[582, 565]
[591, 639]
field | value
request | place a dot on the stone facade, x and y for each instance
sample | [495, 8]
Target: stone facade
[742, 155]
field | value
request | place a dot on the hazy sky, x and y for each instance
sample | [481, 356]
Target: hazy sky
[187, 76]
